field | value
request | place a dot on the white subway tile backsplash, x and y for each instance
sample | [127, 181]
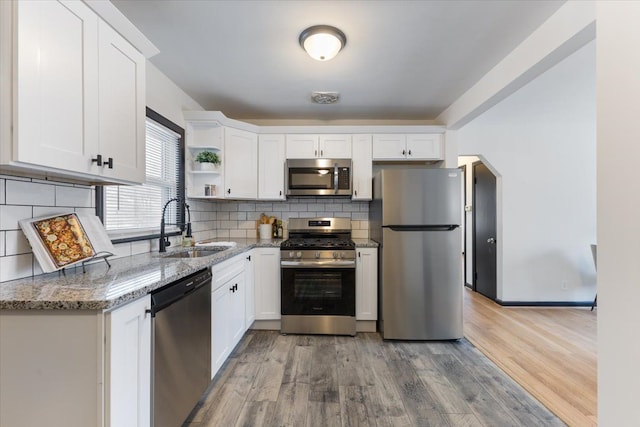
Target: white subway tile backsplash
[2, 198]
[86, 211]
[140, 247]
[15, 267]
[239, 216]
[80, 197]
[360, 234]
[29, 193]
[10, 215]
[299, 208]
[2, 253]
[359, 216]
[16, 243]
[49, 210]
[237, 234]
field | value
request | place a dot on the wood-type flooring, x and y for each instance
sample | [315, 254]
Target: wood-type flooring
[550, 351]
[305, 380]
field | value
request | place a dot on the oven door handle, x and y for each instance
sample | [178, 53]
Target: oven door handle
[318, 264]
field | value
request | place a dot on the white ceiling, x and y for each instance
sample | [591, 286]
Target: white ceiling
[403, 59]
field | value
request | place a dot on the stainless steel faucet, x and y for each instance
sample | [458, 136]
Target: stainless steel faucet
[164, 240]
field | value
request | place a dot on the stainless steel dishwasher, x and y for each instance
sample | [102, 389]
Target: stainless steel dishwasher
[181, 342]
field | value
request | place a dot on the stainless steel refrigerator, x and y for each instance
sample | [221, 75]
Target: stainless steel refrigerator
[415, 216]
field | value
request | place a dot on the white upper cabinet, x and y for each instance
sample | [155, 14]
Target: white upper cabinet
[362, 167]
[389, 147]
[407, 147]
[78, 107]
[335, 146]
[271, 158]
[56, 114]
[241, 164]
[424, 146]
[303, 146]
[122, 106]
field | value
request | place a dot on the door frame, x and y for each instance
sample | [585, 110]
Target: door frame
[497, 227]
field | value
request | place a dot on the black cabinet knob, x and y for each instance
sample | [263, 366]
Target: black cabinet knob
[229, 191]
[249, 258]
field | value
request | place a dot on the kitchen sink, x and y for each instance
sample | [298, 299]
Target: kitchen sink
[198, 253]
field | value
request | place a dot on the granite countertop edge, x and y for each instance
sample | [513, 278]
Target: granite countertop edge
[129, 278]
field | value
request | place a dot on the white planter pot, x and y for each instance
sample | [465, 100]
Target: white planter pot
[206, 166]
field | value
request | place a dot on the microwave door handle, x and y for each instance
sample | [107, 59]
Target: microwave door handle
[335, 178]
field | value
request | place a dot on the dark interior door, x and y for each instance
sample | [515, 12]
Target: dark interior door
[484, 230]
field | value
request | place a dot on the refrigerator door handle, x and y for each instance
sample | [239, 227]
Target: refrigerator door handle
[442, 227]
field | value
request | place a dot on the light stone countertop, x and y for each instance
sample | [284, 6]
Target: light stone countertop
[129, 278]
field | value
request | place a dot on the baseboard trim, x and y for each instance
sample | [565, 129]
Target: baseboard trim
[544, 303]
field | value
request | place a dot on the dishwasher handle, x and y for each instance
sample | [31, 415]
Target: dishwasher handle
[173, 292]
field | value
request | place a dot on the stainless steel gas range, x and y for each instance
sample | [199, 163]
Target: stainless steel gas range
[318, 270]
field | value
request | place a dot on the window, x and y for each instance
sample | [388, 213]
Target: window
[134, 212]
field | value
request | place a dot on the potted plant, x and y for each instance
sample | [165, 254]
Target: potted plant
[207, 160]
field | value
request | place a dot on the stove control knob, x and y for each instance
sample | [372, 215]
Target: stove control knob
[335, 254]
[317, 254]
[298, 254]
[291, 254]
[342, 255]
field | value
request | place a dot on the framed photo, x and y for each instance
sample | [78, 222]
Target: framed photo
[65, 239]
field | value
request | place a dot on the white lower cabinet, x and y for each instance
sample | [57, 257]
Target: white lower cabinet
[227, 309]
[366, 284]
[128, 391]
[266, 270]
[249, 294]
[76, 368]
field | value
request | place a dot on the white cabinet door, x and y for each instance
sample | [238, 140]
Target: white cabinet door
[249, 293]
[389, 147]
[424, 146]
[271, 158]
[240, 164]
[362, 167]
[57, 85]
[128, 400]
[334, 146]
[366, 284]
[122, 106]
[220, 340]
[266, 269]
[302, 146]
[236, 317]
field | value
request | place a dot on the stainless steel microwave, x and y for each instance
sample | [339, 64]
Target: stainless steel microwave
[318, 177]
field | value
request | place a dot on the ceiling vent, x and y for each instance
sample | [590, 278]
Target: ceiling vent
[325, 97]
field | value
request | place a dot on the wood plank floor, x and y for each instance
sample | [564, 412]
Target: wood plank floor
[550, 351]
[297, 380]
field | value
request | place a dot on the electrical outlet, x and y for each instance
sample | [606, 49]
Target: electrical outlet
[564, 285]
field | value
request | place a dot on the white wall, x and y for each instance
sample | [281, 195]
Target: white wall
[618, 71]
[541, 141]
[166, 98]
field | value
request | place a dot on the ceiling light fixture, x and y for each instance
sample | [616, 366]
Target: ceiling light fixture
[325, 97]
[322, 42]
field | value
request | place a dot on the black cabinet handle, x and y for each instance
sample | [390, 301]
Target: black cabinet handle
[321, 153]
[358, 254]
[231, 289]
[280, 192]
[409, 152]
[356, 192]
[229, 191]
[109, 163]
[404, 152]
[97, 160]
[249, 258]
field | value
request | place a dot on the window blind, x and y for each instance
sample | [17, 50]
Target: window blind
[137, 209]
